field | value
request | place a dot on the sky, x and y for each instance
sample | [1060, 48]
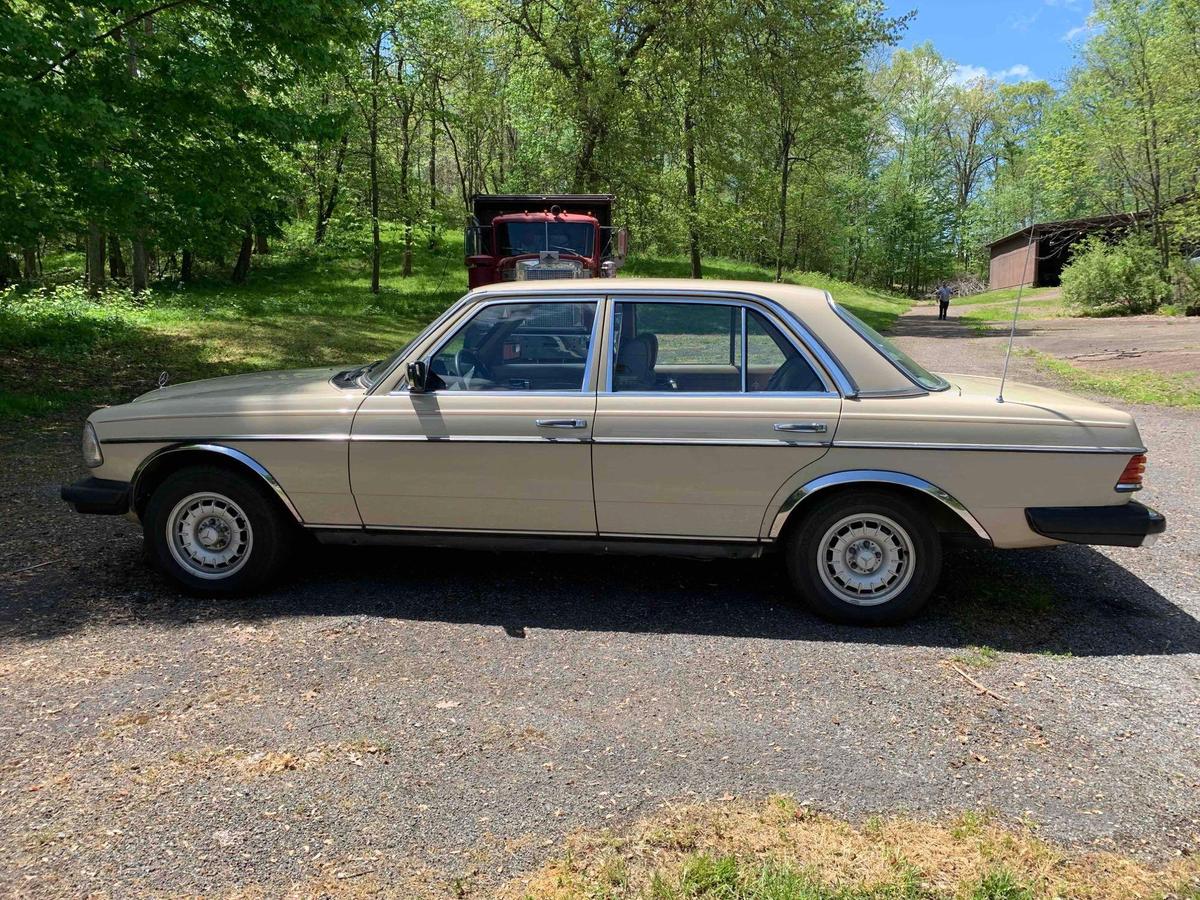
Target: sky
[1011, 40]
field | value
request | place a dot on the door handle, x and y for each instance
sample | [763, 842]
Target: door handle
[561, 423]
[810, 427]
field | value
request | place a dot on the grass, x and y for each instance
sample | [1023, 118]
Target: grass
[1004, 295]
[1134, 387]
[780, 850]
[61, 350]
[982, 657]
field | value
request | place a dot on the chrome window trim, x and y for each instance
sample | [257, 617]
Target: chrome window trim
[799, 337]
[244, 458]
[873, 476]
[796, 329]
[513, 300]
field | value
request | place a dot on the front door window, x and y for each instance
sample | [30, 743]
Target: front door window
[519, 347]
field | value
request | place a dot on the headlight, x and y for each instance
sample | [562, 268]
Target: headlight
[92, 456]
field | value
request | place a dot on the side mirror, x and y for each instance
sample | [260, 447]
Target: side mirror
[622, 243]
[418, 377]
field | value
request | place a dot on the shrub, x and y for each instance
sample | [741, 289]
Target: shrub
[1116, 280]
[1185, 275]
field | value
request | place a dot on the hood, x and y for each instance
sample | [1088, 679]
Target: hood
[298, 401]
[292, 383]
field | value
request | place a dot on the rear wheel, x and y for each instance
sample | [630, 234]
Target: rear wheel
[215, 531]
[864, 558]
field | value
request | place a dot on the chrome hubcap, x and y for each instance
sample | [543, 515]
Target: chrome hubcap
[209, 535]
[866, 559]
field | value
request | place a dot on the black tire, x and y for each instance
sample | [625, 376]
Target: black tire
[269, 532]
[808, 547]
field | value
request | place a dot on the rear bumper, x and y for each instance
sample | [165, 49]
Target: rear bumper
[1127, 525]
[97, 495]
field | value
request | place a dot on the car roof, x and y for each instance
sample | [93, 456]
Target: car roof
[788, 293]
[869, 369]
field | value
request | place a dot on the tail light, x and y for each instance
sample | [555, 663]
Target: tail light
[1131, 478]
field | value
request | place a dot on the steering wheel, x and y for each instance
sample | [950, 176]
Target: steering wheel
[468, 366]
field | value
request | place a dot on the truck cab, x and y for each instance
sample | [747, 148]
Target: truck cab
[517, 237]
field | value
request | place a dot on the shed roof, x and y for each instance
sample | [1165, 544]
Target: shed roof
[1072, 227]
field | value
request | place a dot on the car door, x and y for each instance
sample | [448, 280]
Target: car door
[708, 406]
[501, 441]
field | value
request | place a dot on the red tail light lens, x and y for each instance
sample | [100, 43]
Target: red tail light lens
[1131, 478]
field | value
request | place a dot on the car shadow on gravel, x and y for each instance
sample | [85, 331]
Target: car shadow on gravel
[1068, 600]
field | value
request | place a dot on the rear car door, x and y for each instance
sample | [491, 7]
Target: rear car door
[708, 405]
[501, 441]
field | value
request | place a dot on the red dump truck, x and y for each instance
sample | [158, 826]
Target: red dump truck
[513, 237]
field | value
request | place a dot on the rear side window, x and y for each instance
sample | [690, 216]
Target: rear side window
[704, 348]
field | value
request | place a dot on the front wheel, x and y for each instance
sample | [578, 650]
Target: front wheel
[215, 531]
[864, 558]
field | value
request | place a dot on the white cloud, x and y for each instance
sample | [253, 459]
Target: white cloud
[1022, 23]
[966, 74]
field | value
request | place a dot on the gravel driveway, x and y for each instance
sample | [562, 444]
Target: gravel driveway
[440, 720]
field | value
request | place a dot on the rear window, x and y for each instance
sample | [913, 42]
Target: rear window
[901, 360]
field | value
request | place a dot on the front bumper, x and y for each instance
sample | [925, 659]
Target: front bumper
[1128, 525]
[97, 495]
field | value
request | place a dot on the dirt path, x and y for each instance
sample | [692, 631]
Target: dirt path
[442, 719]
[1169, 345]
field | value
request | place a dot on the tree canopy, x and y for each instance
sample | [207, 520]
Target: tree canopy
[785, 132]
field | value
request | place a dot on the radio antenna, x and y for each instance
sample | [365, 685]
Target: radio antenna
[1012, 331]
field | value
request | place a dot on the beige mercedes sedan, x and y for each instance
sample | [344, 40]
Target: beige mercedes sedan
[624, 416]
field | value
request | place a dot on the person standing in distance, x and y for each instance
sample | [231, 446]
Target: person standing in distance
[943, 299]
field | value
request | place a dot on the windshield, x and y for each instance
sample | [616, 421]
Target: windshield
[377, 370]
[898, 357]
[515, 238]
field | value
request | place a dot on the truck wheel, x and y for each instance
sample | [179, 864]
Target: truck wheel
[864, 558]
[215, 531]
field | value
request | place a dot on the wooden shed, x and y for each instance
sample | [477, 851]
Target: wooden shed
[1035, 255]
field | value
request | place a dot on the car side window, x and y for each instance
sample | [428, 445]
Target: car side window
[519, 347]
[697, 348]
[677, 347]
[773, 362]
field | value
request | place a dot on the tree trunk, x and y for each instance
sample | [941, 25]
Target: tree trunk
[116, 262]
[185, 267]
[689, 149]
[433, 229]
[784, 175]
[373, 132]
[30, 271]
[95, 259]
[260, 243]
[408, 236]
[242, 267]
[141, 261]
[325, 208]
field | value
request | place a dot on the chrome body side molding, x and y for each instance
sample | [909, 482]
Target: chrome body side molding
[245, 459]
[874, 476]
[985, 448]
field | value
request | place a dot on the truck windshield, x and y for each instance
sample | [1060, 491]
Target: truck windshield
[515, 238]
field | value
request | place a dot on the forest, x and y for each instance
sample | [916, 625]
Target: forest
[167, 141]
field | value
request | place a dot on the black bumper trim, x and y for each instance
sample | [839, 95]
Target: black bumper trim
[1126, 525]
[97, 495]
